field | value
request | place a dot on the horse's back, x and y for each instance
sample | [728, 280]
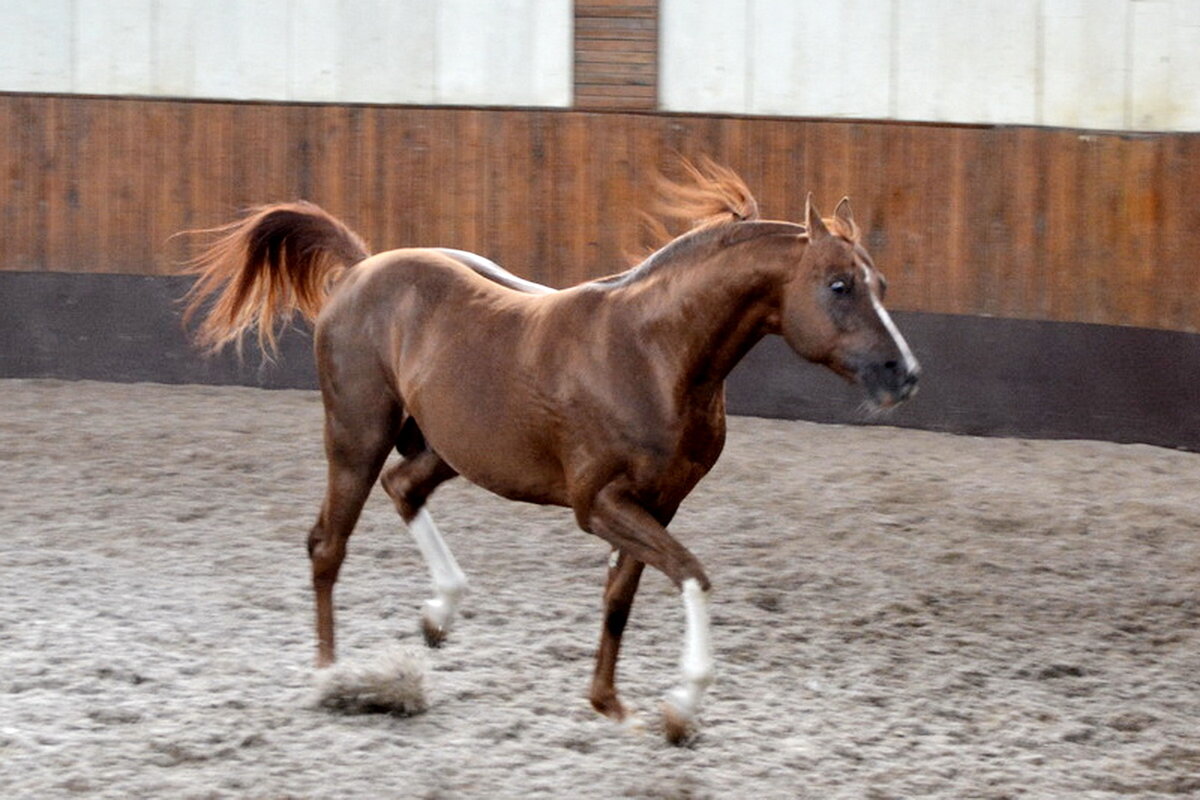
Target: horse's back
[494, 272]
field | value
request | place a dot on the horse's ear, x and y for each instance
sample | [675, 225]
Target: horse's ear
[844, 217]
[843, 213]
[812, 220]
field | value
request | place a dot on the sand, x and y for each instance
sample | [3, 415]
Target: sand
[896, 613]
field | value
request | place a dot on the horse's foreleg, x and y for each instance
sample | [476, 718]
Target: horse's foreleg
[623, 576]
[409, 484]
[633, 530]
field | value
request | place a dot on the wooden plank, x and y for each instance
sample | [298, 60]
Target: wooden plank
[616, 28]
[614, 58]
[1064, 210]
[596, 46]
[616, 8]
[1180, 220]
[617, 75]
[608, 96]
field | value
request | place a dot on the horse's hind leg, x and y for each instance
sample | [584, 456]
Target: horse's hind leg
[355, 458]
[409, 483]
[624, 573]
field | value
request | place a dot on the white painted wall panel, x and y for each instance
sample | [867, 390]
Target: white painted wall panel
[1113, 64]
[501, 52]
[550, 26]
[816, 58]
[316, 39]
[385, 52]
[481, 54]
[1165, 65]
[966, 61]
[1084, 73]
[112, 46]
[704, 61]
[35, 45]
[240, 49]
[172, 49]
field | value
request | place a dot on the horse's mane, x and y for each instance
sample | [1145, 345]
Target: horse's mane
[712, 194]
[710, 199]
[709, 196]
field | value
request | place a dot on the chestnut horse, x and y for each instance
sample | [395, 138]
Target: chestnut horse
[606, 397]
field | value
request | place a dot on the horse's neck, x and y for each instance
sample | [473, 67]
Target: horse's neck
[707, 312]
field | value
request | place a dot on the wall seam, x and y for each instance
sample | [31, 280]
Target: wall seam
[1039, 65]
[1127, 104]
[894, 61]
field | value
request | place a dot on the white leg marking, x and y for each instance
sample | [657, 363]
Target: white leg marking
[697, 651]
[449, 582]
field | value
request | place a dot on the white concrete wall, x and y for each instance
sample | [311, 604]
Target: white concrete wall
[1109, 64]
[477, 52]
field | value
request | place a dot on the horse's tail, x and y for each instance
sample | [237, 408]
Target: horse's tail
[277, 260]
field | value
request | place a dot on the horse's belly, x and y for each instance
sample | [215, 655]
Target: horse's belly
[503, 456]
[510, 474]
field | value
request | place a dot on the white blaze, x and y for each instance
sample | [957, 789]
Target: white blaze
[910, 363]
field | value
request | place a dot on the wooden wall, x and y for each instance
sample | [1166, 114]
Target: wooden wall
[1016, 222]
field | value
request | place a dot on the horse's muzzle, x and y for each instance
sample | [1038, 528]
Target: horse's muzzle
[891, 382]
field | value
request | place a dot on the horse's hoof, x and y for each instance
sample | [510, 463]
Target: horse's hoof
[434, 634]
[610, 706]
[679, 726]
[435, 621]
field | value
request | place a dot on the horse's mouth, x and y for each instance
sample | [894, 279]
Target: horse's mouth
[885, 385]
[890, 398]
[890, 392]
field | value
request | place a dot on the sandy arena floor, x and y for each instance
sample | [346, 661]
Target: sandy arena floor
[896, 614]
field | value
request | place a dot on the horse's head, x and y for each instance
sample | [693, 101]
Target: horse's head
[832, 311]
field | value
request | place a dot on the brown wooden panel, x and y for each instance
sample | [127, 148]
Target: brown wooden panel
[1015, 222]
[616, 54]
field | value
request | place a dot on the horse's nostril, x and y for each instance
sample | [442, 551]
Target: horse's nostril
[892, 366]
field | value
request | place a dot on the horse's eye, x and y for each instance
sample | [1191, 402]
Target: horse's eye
[839, 287]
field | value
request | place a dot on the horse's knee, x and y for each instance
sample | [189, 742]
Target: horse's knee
[682, 567]
[687, 568]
